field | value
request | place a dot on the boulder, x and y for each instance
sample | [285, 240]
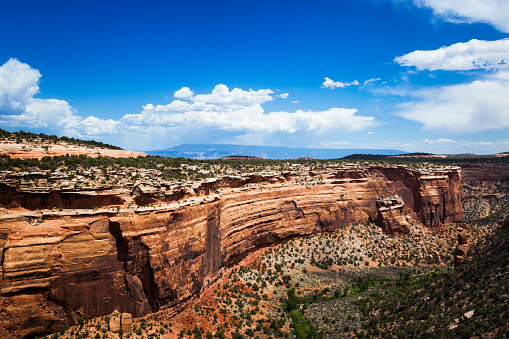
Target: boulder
[114, 322]
[126, 322]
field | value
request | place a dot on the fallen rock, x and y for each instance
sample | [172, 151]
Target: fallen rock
[469, 314]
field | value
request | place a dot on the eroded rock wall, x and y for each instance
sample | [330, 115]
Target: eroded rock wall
[160, 261]
[436, 195]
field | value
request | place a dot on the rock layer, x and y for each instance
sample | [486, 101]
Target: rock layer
[159, 261]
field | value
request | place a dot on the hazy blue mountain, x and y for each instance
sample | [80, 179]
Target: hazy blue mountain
[215, 151]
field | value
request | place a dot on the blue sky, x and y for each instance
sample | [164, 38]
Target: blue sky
[416, 75]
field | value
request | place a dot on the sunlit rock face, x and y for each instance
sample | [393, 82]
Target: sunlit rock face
[64, 267]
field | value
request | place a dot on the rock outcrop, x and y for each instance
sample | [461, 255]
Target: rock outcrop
[161, 259]
[461, 251]
[391, 216]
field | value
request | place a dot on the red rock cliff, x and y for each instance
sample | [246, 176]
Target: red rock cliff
[55, 270]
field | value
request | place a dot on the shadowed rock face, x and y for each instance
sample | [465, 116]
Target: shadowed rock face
[58, 199]
[161, 261]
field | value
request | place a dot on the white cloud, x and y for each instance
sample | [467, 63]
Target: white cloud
[248, 119]
[240, 111]
[492, 12]
[371, 81]
[18, 107]
[295, 102]
[283, 95]
[92, 126]
[474, 54]
[18, 84]
[474, 107]
[329, 83]
[221, 95]
[184, 93]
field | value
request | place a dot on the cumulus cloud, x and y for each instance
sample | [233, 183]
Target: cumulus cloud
[19, 83]
[247, 118]
[221, 95]
[478, 106]
[184, 93]
[218, 116]
[474, 54]
[492, 12]
[240, 111]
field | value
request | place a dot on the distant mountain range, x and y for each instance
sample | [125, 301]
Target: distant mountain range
[216, 151]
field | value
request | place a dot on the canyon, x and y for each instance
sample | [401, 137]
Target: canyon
[79, 261]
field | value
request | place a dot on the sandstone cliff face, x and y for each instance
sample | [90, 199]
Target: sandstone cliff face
[159, 261]
[435, 196]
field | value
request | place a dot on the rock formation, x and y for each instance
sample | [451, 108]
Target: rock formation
[461, 251]
[391, 216]
[62, 265]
